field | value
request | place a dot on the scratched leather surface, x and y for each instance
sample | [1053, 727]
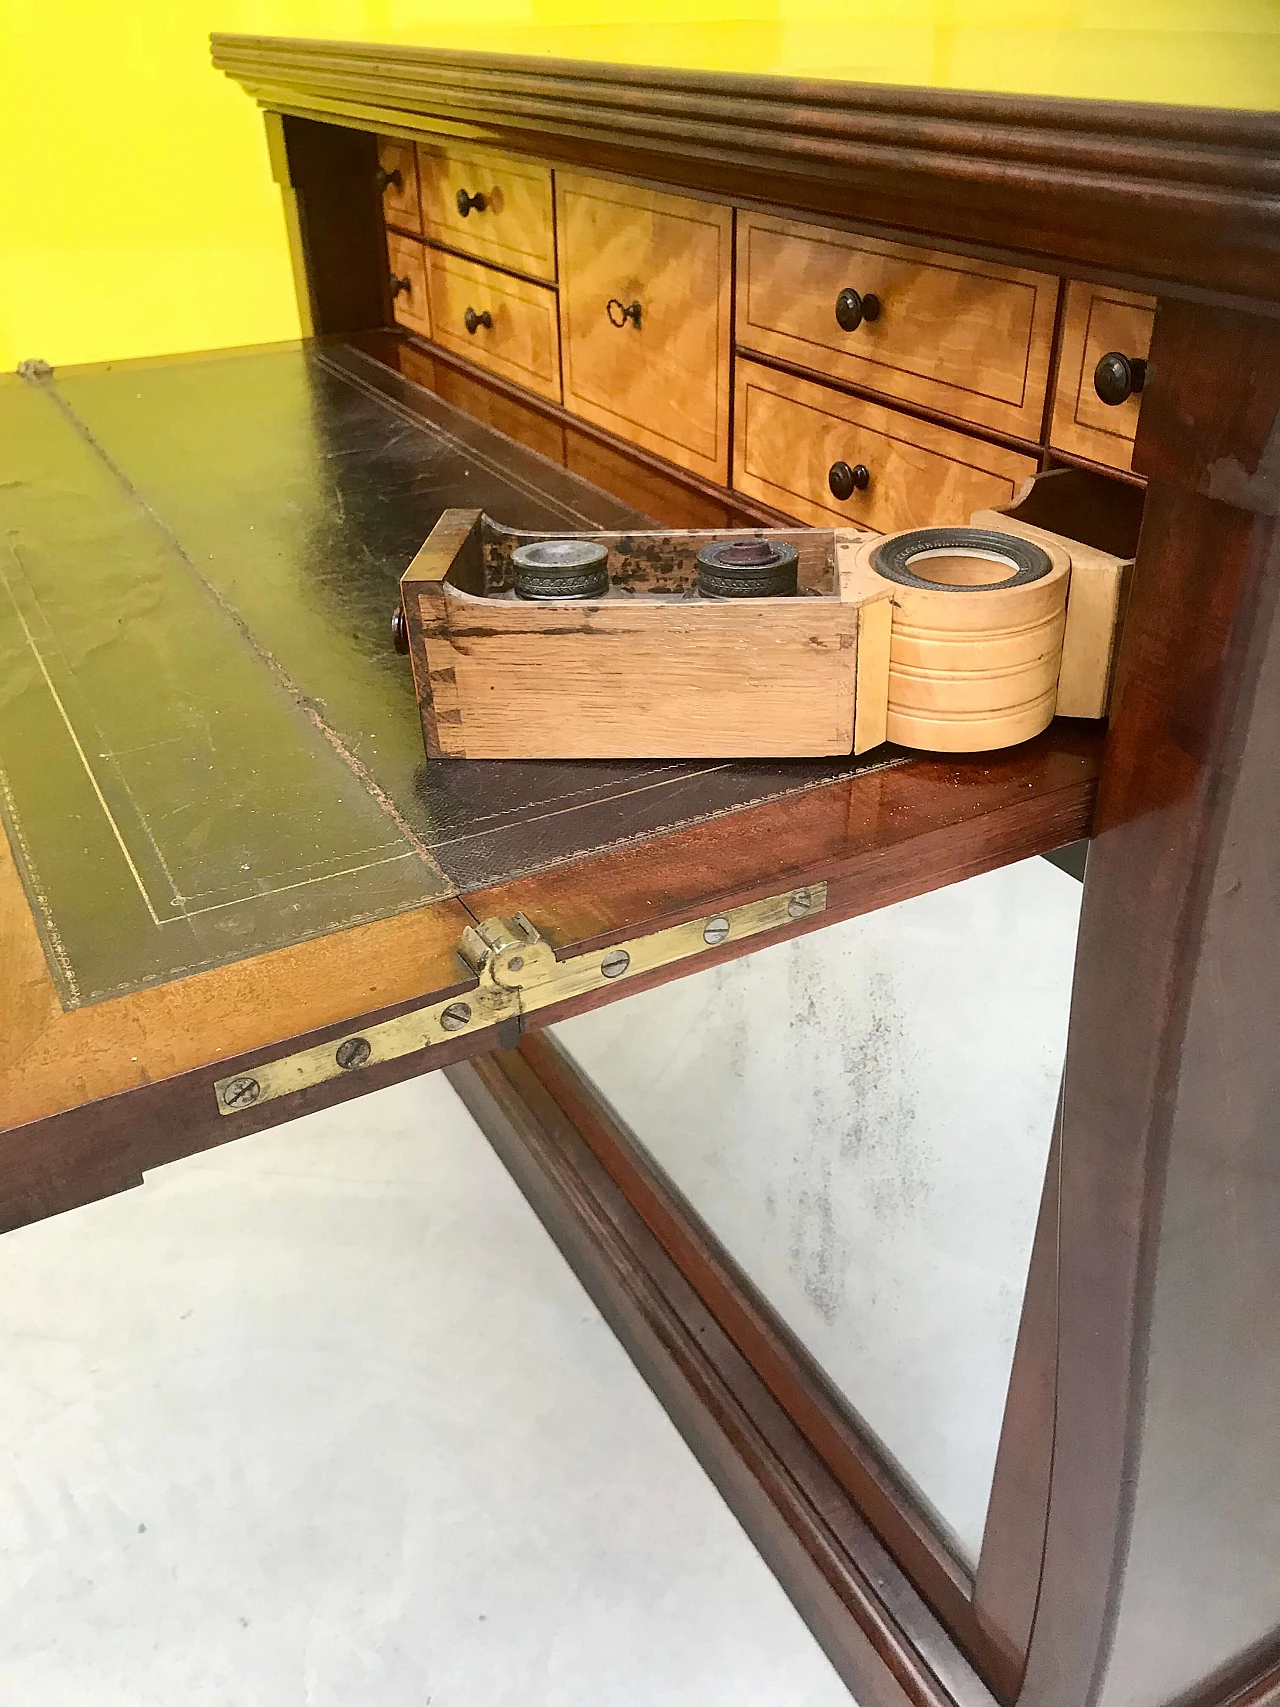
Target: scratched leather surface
[207, 746]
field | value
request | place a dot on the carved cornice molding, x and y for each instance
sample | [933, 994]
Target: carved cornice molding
[1184, 195]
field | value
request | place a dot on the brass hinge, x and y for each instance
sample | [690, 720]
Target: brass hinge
[516, 973]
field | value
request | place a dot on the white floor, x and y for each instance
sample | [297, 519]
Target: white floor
[322, 1419]
[863, 1118]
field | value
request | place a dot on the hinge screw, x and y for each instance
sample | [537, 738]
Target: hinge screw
[516, 963]
[615, 963]
[353, 1052]
[240, 1093]
[455, 1016]
[715, 930]
[799, 904]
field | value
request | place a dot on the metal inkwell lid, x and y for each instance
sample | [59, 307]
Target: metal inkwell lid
[561, 569]
[960, 560]
[748, 569]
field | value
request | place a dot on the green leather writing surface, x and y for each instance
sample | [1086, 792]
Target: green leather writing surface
[208, 747]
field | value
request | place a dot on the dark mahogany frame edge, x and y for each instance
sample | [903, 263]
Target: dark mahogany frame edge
[1173, 200]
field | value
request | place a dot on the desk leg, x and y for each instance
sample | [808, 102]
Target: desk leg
[1162, 1567]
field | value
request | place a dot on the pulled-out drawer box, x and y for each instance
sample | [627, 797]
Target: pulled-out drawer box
[677, 644]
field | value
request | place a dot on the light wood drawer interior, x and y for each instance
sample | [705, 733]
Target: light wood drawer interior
[410, 299]
[400, 201]
[790, 433]
[662, 383]
[502, 323]
[1099, 321]
[967, 338]
[488, 205]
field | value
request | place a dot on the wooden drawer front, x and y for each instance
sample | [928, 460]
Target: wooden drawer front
[788, 434]
[400, 204]
[411, 300]
[514, 228]
[963, 337]
[663, 384]
[521, 342]
[1098, 320]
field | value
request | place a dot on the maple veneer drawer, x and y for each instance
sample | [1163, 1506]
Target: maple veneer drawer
[1099, 321]
[792, 437]
[398, 167]
[488, 205]
[967, 338]
[505, 324]
[644, 315]
[410, 301]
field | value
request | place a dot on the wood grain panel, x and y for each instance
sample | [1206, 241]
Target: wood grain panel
[687, 679]
[401, 205]
[1095, 608]
[874, 838]
[411, 301]
[514, 229]
[59, 1060]
[523, 342]
[1098, 318]
[665, 383]
[964, 337]
[788, 432]
[973, 668]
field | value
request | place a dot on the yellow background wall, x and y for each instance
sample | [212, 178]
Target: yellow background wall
[137, 211]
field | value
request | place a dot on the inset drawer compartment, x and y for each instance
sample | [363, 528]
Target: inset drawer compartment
[501, 323]
[823, 457]
[1106, 334]
[966, 338]
[645, 307]
[488, 205]
[398, 181]
[410, 303]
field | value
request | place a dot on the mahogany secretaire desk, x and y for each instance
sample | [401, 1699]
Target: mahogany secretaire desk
[584, 297]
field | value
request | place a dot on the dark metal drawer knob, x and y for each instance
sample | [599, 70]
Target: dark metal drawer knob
[1117, 377]
[845, 481]
[473, 321]
[852, 309]
[399, 630]
[620, 312]
[389, 180]
[398, 285]
[464, 203]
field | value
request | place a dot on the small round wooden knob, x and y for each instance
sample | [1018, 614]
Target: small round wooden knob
[400, 630]
[845, 481]
[620, 312]
[388, 180]
[1118, 377]
[398, 285]
[852, 309]
[473, 321]
[464, 203]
